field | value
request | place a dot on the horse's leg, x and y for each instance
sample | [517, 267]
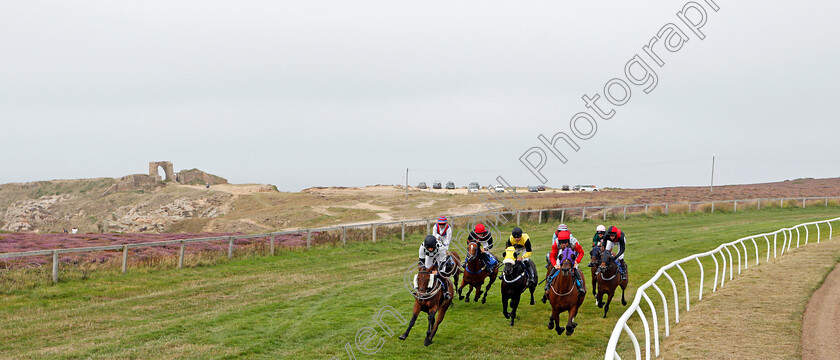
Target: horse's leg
[609, 299]
[514, 303]
[440, 314]
[556, 315]
[594, 286]
[570, 326]
[493, 277]
[532, 288]
[552, 317]
[469, 291]
[413, 319]
[623, 302]
[600, 298]
[463, 283]
[505, 305]
[478, 290]
[428, 340]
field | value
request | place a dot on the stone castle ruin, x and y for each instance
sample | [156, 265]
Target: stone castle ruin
[167, 170]
[154, 180]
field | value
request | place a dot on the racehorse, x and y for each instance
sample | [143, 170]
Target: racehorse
[429, 298]
[475, 274]
[594, 262]
[455, 269]
[514, 283]
[608, 281]
[562, 299]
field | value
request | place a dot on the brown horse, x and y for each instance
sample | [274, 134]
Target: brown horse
[608, 281]
[475, 274]
[594, 262]
[563, 295]
[456, 271]
[429, 299]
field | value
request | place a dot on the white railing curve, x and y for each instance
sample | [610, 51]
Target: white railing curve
[634, 308]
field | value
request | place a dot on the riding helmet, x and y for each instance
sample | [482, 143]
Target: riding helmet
[517, 232]
[430, 242]
[480, 228]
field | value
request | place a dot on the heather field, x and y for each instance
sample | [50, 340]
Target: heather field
[309, 304]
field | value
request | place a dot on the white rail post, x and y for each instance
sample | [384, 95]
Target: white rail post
[713, 207]
[563, 215]
[655, 322]
[746, 258]
[55, 266]
[402, 224]
[756, 250]
[689, 207]
[739, 258]
[666, 209]
[125, 259]
[803, 203]
[830, 231]
[373, 232]
[797, 236]
[731, 263]
[664, 308]
[343, 235]
[646, 207]
[676, 298]
[791, 238]
[723, 269]
[635, 341]
[181, 255]
[230, 248]
[806, 234]
[517, 218]
[647, 331]
[687, 295]
[736, 206]
[700, 297]
[539, 218]
[768, 245]
[714, 283]
[308, 239]
[782, 202]
[625, 212]
[818, 233]
[775, 236]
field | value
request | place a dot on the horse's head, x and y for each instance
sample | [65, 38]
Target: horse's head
[595, 254]
[606, 260]
[567, 260]
[510, 260]
[472, 248]
[424, 280]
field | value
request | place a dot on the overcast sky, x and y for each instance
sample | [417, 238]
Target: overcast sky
[314, 93]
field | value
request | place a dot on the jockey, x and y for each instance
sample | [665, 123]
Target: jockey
[615, 237]
[432, 255]
[561, 240]
[485, 241]
[521, 243]
[600, 231]
[443, 232]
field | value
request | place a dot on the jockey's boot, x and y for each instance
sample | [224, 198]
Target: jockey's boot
[445, 288]
[529, 271]
[623, 270]
[578, 281]
[547, 284]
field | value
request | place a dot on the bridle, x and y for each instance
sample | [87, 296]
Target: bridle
[609, 265]
[516, 265]
[564, 271]
[435, 288]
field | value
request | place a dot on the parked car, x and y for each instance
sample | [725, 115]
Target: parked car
[450, 185]
[436, 185]
[533, 189]
[565, 188]
[540, 187]
[421, 185]
[576, 188]
[499, 188]
[473, 187]
[588, 188]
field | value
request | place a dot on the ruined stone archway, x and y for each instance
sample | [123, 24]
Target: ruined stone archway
[167, 170]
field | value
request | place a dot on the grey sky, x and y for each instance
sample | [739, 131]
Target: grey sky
[306, 93]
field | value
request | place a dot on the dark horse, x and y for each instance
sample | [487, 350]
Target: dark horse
[608, 281]
[429, 298]
[514, 283]
[594, 262]
[475, 274]
[455, 270]
[563, 294]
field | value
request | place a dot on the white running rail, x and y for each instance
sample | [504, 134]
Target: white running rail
[786, 237]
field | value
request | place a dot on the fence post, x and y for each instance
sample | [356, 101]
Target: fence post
[125, 258]
[803, 203]
[343, 235]
[181, 255]
[308, 239]
[782, 202]
[55, 266]
[606, 209]
[517, 217]
[625, 212]
[271, 249]
[646, 206]
[497, 219]
[759, 204]
[713, 207]
[539, 218]
[428, 227]
[736, 206]
[583, 214]
[230, 248]
[666, 209]
[402, 223]
[689, 207]
[373, 232]
[826, 202]
[562, 215]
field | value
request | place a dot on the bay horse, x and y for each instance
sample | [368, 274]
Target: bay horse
[608, 281]
[563, 293]
[475, 274]
[429, 299]
[514, 283]
[455, 271]
[594, 262]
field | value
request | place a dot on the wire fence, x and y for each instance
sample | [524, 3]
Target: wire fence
[372, 231]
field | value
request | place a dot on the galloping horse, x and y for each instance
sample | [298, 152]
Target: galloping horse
[514, 283]
[475, 275]
[455, 270]
[608, 281]
[429, 298]
[594, 262]
[565, 300]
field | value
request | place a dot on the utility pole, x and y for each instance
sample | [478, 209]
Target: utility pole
[712, 184]
[406, 183]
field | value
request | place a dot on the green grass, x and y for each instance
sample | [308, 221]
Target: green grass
[308, 304]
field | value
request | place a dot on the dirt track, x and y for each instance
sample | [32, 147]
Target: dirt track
[821, 323]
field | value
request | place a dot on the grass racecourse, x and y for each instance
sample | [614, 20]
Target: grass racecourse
[311, 304]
